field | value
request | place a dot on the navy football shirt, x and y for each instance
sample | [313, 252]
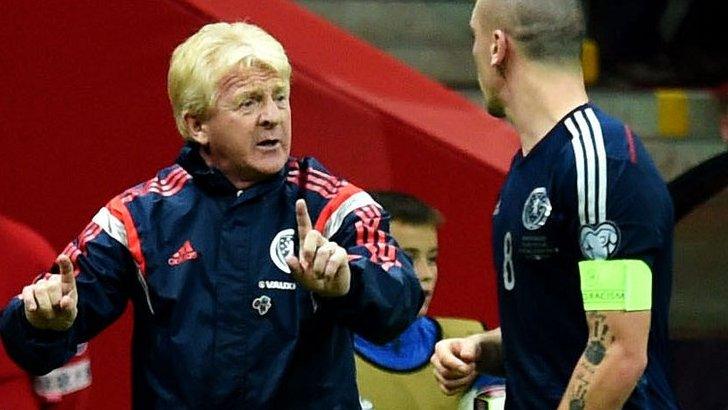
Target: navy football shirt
[587, 190]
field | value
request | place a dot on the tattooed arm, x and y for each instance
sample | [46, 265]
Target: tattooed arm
[613, 361]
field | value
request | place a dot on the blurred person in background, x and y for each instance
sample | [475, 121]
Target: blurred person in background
[398, 374]
[65, 388]
[582, 232]
[248, 269]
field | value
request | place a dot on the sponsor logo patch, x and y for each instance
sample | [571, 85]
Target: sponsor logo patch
[276, 284]
[184, 254]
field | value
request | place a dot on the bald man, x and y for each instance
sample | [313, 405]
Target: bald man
[582, 233]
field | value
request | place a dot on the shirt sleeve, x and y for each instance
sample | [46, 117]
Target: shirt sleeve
[65, 387]
[622, 208]
[104, 269]
[385, 295]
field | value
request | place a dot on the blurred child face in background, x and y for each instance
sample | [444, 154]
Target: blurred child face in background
[419, 241]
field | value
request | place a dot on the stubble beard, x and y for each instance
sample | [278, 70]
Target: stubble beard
[493, 105]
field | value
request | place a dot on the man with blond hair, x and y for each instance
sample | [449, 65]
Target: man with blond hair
[582, 233]
[248, 269]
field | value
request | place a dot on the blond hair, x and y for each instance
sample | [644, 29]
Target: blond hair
[200, 63]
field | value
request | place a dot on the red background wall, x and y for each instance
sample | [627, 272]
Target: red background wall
[85, 114]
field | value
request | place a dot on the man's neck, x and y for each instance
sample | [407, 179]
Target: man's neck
[540, 96]
[234, 178]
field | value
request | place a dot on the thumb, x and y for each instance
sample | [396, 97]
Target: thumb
[68, 302]
[68, 279]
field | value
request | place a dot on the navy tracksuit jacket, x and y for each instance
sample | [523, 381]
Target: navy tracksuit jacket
[219, 321]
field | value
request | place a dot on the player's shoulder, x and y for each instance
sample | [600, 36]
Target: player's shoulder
[330, 199]
[167, 182]
[601, 148]
[458, 327]
[319, 186]
[596, 135]
[313, 178]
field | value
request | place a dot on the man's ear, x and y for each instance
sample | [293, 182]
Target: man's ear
[498, 48]
[196, 129]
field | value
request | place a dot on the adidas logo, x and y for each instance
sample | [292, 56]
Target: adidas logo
[184, 254]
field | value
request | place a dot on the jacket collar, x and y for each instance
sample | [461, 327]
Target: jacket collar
[214, 182]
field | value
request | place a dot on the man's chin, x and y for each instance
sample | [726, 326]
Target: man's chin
[261, 170]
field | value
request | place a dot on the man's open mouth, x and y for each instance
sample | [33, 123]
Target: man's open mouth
[268, 143]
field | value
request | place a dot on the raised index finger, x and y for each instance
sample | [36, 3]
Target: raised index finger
[303, 220]
[68, 280]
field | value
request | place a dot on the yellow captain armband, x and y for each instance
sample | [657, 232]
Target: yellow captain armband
[622, 284]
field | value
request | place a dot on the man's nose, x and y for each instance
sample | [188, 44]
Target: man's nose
[270, 115]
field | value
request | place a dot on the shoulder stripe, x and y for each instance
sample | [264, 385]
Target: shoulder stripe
[332, 216]
[579, 160]
[118, 209]
[323, 184]
[111, 225]
[167, 186]
[77, 247]
[326, 185]
[602, 159]
[332, 179]
[630, 144]
[591, 166]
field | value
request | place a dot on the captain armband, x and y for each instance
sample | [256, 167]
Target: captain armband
[622, 284]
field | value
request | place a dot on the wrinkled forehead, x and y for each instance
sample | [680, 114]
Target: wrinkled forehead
[253, 77]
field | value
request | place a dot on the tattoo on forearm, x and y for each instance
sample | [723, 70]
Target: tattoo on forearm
[596, 348]
[577, 399]
[599, 339]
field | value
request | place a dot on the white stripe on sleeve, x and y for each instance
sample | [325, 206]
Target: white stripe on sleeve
[579, 159]
[602, 162]
[591, 169]
[111, 225]
[355, 201]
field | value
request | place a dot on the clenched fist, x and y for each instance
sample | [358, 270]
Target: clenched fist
[454, 361]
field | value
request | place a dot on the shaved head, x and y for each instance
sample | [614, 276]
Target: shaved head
[545, 30]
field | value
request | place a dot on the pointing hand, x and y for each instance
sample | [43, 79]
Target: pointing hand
[52, 303]
[321, 266]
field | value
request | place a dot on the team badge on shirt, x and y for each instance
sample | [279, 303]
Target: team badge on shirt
[536, 209]
[599, 242]
[281, 247]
